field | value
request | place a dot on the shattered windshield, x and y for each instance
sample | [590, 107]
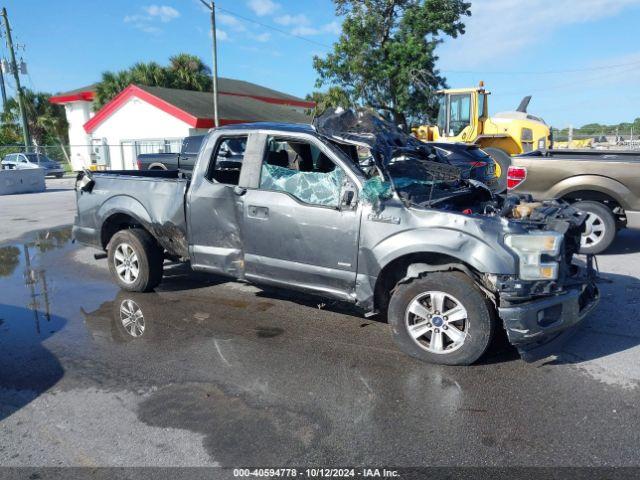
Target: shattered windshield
[414, 178]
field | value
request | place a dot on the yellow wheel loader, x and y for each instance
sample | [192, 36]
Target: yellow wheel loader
[463, 116]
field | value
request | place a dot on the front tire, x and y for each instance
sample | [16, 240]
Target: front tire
[442, 318]
[503, 162]
[135, 260]
[600, 228]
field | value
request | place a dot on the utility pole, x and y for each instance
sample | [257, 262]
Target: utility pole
[212, 6]
[16, 76]
[4, 92]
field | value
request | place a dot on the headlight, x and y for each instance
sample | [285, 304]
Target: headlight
[530, 248]
[541, 144]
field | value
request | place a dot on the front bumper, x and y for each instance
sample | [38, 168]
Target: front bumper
[532, 324]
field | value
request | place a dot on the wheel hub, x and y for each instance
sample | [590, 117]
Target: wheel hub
[594, 230]
[132, 318]
[126, 263]
[437, 322]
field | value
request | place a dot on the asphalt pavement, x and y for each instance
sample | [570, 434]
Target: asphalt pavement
[221, 373]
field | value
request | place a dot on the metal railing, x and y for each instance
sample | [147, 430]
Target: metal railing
[96, 156]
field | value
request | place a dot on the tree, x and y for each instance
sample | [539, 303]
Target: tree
[47, 122]
[189, 72]
[385, 57]
[333, 97]
[185, 71]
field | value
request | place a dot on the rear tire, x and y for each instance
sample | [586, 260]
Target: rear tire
[600, 227]
[461, 325]
[135, 260]
[503, 160]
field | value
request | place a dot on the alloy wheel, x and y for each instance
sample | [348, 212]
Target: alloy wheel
[594, 230]
[126, 263]
[437, 322]
[132, 318]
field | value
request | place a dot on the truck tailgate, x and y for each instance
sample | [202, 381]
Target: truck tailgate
[155, 200]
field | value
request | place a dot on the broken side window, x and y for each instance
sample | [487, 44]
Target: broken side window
[301, 169]
[226, 160]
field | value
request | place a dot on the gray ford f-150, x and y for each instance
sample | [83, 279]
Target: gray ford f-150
[353, 209]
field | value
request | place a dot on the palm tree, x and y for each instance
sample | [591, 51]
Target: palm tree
[150, 74]
[184, 71]
[111, 85]
[46, 121]
[189, 72]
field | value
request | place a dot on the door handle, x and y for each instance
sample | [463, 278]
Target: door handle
[257, 212]
[239, 191]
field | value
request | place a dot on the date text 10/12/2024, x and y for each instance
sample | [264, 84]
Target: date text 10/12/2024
[316, 472]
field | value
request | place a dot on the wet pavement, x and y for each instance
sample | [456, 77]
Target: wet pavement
[210, 372]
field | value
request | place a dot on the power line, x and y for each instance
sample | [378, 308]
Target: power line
[271, 27]
[543, 72]
[487, 72]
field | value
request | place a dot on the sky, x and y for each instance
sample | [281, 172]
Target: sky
[579, 59]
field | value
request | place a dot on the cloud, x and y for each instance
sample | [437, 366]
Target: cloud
[221, 35]
[509, 26]
[153, 14]
[263, 7]
[263, 37]
[261, 51]
[333, 27]
[289, 20]
[162, 12]
[305, 30]
[230, 21]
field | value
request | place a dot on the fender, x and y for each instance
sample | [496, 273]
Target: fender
[168, 234]
[122, 204]
[468, 249]
[595, 183]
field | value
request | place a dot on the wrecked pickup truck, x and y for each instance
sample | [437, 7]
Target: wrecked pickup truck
[352, 209]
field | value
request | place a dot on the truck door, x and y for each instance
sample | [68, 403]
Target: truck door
[213, 205]
[296, 228]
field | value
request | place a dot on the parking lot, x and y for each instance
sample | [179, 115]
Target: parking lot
[223, 373]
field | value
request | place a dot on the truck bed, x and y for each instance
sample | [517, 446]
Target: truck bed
[586, 155]
[153, 199]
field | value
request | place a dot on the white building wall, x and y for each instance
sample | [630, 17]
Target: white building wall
[78, 113]
[135, 120]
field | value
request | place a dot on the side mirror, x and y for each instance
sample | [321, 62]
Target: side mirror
[349, 198]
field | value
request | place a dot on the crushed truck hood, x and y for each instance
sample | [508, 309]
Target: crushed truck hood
[365, 127]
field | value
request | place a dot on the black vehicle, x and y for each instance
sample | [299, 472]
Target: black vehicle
[183, 161]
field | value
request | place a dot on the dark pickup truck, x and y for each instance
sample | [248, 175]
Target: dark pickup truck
[355, 210]
[183, 161]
